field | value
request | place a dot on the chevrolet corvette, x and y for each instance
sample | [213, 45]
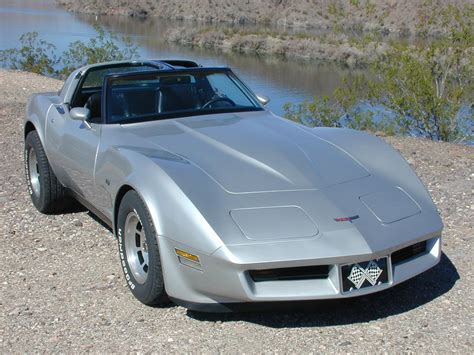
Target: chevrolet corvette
[217, 202]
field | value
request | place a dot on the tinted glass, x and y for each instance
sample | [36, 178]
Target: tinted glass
[159, 96]
[95, 77]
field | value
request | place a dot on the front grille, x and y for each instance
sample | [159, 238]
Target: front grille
[408, 252]
[291, 273]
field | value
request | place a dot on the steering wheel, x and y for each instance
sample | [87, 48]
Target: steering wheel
[217, 99]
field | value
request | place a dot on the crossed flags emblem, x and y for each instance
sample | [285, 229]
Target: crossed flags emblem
[371, 273]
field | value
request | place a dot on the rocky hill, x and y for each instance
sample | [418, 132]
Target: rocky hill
[398, 16]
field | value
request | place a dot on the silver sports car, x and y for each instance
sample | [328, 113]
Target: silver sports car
[217, 202]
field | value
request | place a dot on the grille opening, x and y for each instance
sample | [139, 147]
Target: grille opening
[291, 273]
[409, 252]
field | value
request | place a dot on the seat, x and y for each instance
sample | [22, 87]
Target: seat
[93, 103]
[178, 98]
[118, 104]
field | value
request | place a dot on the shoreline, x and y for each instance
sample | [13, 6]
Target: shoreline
[337, 49]
[383, 16]
[353, 33]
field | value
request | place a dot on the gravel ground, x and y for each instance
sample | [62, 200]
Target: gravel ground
[62, 289]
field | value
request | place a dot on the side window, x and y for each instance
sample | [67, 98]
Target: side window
[89, 90]
[95, 77]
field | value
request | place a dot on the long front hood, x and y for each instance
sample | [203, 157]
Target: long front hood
[254, 152]
[261, 240]
[254, 179]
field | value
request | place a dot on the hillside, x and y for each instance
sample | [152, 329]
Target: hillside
[397, 16]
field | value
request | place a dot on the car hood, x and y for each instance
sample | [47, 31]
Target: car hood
[253, 152]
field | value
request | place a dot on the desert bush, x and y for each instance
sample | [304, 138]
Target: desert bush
[38, 56]
[34, 55]
[315, 113]
[424, 89]
[104, 47]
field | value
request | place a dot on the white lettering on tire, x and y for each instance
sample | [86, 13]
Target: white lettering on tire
[124, 263]
[27, 171]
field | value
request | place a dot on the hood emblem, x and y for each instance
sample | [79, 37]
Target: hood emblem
[346, 219]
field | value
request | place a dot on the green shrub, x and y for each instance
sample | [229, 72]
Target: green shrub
[34, 55]
[318, 112]
[424, 87]
[38, 56]
[105, 47]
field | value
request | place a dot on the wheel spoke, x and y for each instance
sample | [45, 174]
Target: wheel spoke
[138, 240]
[136, 247]
[34, 174]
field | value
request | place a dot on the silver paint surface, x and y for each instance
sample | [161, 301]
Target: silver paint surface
[247, 191]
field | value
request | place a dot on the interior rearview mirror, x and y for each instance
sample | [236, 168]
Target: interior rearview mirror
[80, 113]
[263, 99]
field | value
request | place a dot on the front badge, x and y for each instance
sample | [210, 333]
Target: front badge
[364, 274]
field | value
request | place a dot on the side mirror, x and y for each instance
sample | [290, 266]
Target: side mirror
[80, 113]
[263, 99]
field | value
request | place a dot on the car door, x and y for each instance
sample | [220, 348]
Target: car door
[72, 149]
[73, 145]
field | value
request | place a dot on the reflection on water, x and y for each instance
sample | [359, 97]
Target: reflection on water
[282, 80]
[53, 24]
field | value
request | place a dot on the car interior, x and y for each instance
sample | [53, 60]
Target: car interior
[171, 94]
[89, 91]
[153, 97]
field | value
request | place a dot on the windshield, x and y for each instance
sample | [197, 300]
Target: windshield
[144, 97]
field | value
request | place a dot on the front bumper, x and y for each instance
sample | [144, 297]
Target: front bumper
[223, 280]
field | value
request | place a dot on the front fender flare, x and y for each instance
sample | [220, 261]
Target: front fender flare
[172, 212]
[379, 158]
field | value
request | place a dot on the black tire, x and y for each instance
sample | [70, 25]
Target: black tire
[49, 195]
[151, 290]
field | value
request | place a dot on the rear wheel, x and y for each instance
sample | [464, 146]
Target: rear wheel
[47, 193]
[139, 253]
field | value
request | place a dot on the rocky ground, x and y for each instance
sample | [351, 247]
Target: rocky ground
[62, 289]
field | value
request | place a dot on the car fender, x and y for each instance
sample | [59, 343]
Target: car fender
[380, 159]
[36, 112]
[168, 205]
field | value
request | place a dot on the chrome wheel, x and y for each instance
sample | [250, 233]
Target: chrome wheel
[33, 171]
[136, 247]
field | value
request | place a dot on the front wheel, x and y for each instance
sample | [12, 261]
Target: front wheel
[47, 193]
[139, 253]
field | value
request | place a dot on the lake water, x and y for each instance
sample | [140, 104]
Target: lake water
[282, 80]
